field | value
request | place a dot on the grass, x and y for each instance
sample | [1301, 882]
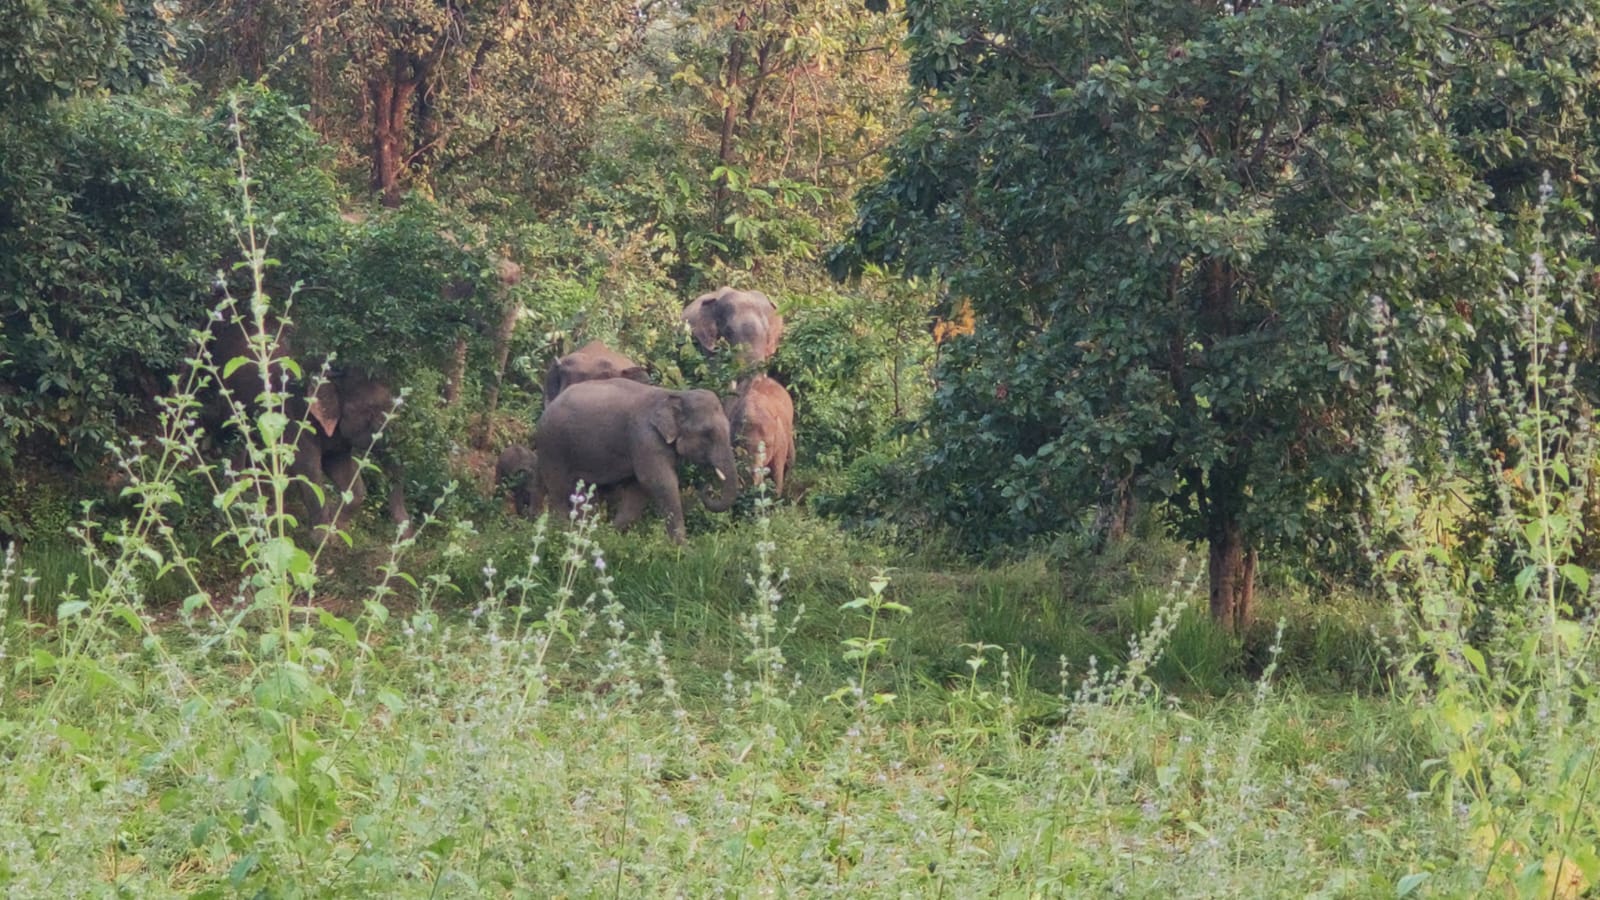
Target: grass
[777, 707]
[621, 737]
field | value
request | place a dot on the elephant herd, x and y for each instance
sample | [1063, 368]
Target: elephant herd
[604, 425]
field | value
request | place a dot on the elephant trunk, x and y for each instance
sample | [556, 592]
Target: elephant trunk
[727, 469]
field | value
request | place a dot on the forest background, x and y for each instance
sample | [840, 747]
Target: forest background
[1071, 293]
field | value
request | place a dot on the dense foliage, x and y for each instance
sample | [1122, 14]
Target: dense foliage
[1179, 227]
[483, 101]
[743, 132]
[118, 221]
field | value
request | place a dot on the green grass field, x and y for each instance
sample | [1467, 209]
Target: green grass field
[775, 709]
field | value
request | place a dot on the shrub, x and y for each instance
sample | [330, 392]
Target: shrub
[1500, 672]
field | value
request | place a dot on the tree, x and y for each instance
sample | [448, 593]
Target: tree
[52, 49]
[1179, 225]
[746, 129]
[447, 94]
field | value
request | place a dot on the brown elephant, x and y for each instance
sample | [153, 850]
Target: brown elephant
[514, 473]
[747, 320]
[332, 430]
[591, 362]
[630, 438]
[761, 415]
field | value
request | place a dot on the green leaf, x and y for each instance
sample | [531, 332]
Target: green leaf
[201, 831]
[1526, 576]
[1578, 575]
[1407, 885]
[339, 626]
[272, 425]
[79, 739]
[242, 869]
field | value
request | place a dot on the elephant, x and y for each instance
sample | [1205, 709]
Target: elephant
[747, 320]
[591, 362]
[629, 438]
[761, 415]
[514, 472]
[332, 430]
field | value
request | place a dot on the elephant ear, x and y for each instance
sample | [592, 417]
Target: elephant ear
[635, 373]
[702, 319]
[664, 418]
[326, 407]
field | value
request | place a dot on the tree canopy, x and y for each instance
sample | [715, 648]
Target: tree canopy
[1182, 225]
[481, 100]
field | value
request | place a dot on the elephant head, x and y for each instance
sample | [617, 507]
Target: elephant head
[695, 426]
[514, 472]
[747, 320]
[591, 362]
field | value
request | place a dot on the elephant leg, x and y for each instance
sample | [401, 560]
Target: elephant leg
[555, 490]
[397, 493]
[346, 473]
[778, 465]
[659, 479]
[311, 478]
[533, 495]
[629, 502]
[783, 462]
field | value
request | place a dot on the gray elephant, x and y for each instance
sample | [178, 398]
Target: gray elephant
[761, 415]
[514, 473]
[332, 430]
[629, 438]
[747, 320]
[591, 362]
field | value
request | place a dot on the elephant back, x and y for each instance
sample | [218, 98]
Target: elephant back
[592, 362]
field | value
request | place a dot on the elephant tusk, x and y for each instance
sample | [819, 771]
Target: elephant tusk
[720, 476]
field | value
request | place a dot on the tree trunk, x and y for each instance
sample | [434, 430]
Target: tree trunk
[457, 373]
[249, 52]
[732, 72]
[317, 84]
[390, 94]
[502, 351]
[429, 128]
[1114, 511]
[1223, 501]
[1233, 575]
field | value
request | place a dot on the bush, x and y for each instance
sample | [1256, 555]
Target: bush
[113, 226]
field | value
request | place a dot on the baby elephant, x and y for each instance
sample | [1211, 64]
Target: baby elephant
[514, 473]
[762, 416]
